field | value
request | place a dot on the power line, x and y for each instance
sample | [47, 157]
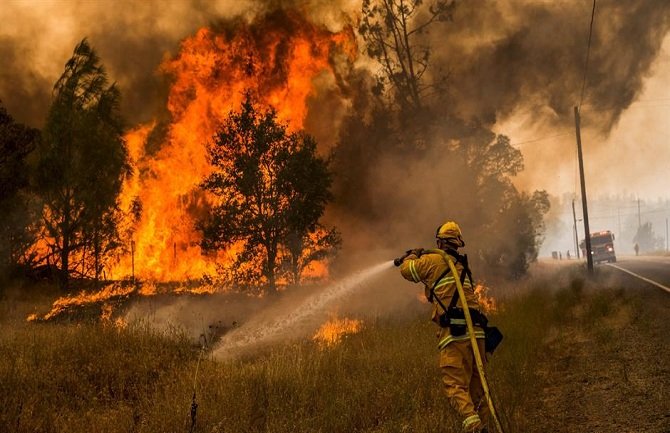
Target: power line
[613, 215]
[534, 140]
[588, 53]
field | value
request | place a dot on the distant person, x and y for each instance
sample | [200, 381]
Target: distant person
[567, 254]
[461, 377]
[637, 249]
[560, 256]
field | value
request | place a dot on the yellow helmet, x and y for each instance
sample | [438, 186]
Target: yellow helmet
[451, 232]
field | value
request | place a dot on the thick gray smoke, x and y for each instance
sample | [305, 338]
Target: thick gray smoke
[510, 54]
[500, 55]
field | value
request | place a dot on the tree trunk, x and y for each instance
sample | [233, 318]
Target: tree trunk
[65, 262]
[272, 259]
[96, 256]
[296, 271]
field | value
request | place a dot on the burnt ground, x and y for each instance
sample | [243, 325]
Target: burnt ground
[607, 365]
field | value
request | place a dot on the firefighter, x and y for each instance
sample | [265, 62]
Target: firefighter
[460, 374]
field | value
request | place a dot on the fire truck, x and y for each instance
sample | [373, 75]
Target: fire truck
[602, 247]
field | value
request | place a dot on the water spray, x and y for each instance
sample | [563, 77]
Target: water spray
[260, 330]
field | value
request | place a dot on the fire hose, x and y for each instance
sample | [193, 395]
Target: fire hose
[475, 347]
[471, 331]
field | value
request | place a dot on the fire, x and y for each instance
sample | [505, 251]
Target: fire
[276, 58]
[107, 301]
[486, 301]
[331, 333]
[107, 311]
[120, 323]
[112, 293]
[148, 289]
[278, 64]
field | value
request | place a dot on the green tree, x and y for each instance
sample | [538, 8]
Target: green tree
[81, 163]
[17, 205]
[272, 189]
[510, 224]
[512, 241]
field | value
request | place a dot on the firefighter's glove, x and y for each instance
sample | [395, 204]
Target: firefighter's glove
[416, 252]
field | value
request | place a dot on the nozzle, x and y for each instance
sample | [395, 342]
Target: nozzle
[397, 262]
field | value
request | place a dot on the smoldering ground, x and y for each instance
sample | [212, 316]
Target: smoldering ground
[235, 324]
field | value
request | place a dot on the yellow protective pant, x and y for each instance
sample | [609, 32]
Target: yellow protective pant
[463, 384]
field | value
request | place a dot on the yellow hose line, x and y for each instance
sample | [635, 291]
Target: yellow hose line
[473, 341]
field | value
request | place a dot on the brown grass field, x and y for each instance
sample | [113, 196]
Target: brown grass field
[577, 357]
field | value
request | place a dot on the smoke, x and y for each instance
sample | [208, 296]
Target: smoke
[502, 57]
[517, 68]
[296, 314]
[513, 55]
[202, 319]
[132, 38]
[234, 324]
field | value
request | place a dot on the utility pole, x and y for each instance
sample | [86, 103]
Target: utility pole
[639, 220]
[585, 211]
[574, 226]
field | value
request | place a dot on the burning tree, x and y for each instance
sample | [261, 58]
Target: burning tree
[272, 189]
[81, 163]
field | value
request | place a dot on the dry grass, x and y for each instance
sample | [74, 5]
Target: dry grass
[91, 377]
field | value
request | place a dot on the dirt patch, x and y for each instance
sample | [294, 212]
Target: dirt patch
[607, 367]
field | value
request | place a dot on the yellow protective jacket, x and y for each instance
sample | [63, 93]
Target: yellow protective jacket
[427, 269]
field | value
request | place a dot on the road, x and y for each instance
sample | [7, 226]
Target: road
[654, 270]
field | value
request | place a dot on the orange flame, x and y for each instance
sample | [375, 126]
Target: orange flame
[68, 303]
[333, 331]
[486, 301]
[107, 310]
[277, 58]
[120, 323]
[278, 64]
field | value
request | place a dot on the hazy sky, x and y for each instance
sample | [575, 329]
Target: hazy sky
[634, 159]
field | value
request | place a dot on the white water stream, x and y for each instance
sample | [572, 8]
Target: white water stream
[261, 329]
